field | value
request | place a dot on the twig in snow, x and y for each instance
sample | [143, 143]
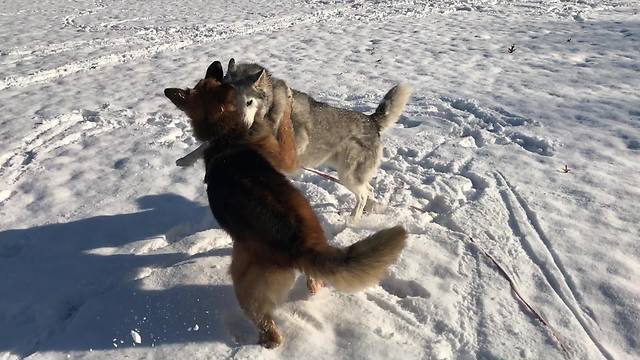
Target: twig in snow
[566, 169]
[519, 296]
[417, 208]
[512, 49]
[324, 175]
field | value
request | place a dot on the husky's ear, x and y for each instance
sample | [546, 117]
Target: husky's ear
[177, 96]
[214, 71]
[260, 78]
[232, 66]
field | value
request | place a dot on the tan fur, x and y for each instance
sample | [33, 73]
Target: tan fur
[360, 265]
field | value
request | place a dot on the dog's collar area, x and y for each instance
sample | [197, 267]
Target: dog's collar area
[218, 157]
[223, 153]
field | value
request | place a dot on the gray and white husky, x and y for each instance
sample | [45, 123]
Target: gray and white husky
[259, 95]
[346, 140]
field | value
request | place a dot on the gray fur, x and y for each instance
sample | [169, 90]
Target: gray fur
[346, 140]
[392, 105]
[238, 72]
[254, 81]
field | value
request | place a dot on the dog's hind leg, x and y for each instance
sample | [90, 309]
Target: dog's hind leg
[362, 194]
[356, 165]
[358, 183]
[361, 202]
[259, 289]
[301, 138]
[371, 200]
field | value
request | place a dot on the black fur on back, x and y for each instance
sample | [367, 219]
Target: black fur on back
[251, 200]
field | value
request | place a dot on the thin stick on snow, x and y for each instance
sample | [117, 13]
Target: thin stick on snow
[324, 175]
[520, 298]
[417, 208]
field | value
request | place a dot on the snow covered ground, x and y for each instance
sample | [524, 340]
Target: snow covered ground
[108, 250]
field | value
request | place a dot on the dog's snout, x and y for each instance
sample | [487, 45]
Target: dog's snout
[171, 92]
[177, 96]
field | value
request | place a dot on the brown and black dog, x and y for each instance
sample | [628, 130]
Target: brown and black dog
[273, 228]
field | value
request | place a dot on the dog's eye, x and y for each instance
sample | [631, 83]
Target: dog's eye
[249, 102]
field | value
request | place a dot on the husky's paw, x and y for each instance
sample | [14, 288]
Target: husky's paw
[314, 285]
[352, 219]
[371, 206]
[355, 216]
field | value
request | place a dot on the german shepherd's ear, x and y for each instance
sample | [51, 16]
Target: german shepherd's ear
[229, 94]
[177, 96]
[214, 71]
[232, 66]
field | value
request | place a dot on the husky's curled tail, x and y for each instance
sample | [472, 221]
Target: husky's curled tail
[391, 106]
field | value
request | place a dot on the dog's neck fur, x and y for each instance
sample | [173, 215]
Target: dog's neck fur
[224, 136]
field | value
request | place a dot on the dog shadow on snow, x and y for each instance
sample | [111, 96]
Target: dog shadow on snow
[61, 294]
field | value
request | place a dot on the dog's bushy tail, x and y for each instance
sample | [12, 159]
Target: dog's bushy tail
[391, 106]
[360, 265]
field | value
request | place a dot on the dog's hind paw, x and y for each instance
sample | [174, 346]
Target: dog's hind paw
[354, 217]
[270, 338]
[370, 206]
[314, 285]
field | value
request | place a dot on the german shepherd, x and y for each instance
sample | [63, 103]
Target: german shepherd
[273, 228]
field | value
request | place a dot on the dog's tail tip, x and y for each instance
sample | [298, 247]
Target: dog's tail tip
[362, 264]
[392, 105]
[404, 87]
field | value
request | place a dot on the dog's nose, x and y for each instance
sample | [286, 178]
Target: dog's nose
[171, 92]
[177, 96]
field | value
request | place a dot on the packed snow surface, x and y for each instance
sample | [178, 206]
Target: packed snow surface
[108, 250]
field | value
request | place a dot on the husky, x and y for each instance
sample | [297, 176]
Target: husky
[259, 93]
[346, 140]
[273, 228]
